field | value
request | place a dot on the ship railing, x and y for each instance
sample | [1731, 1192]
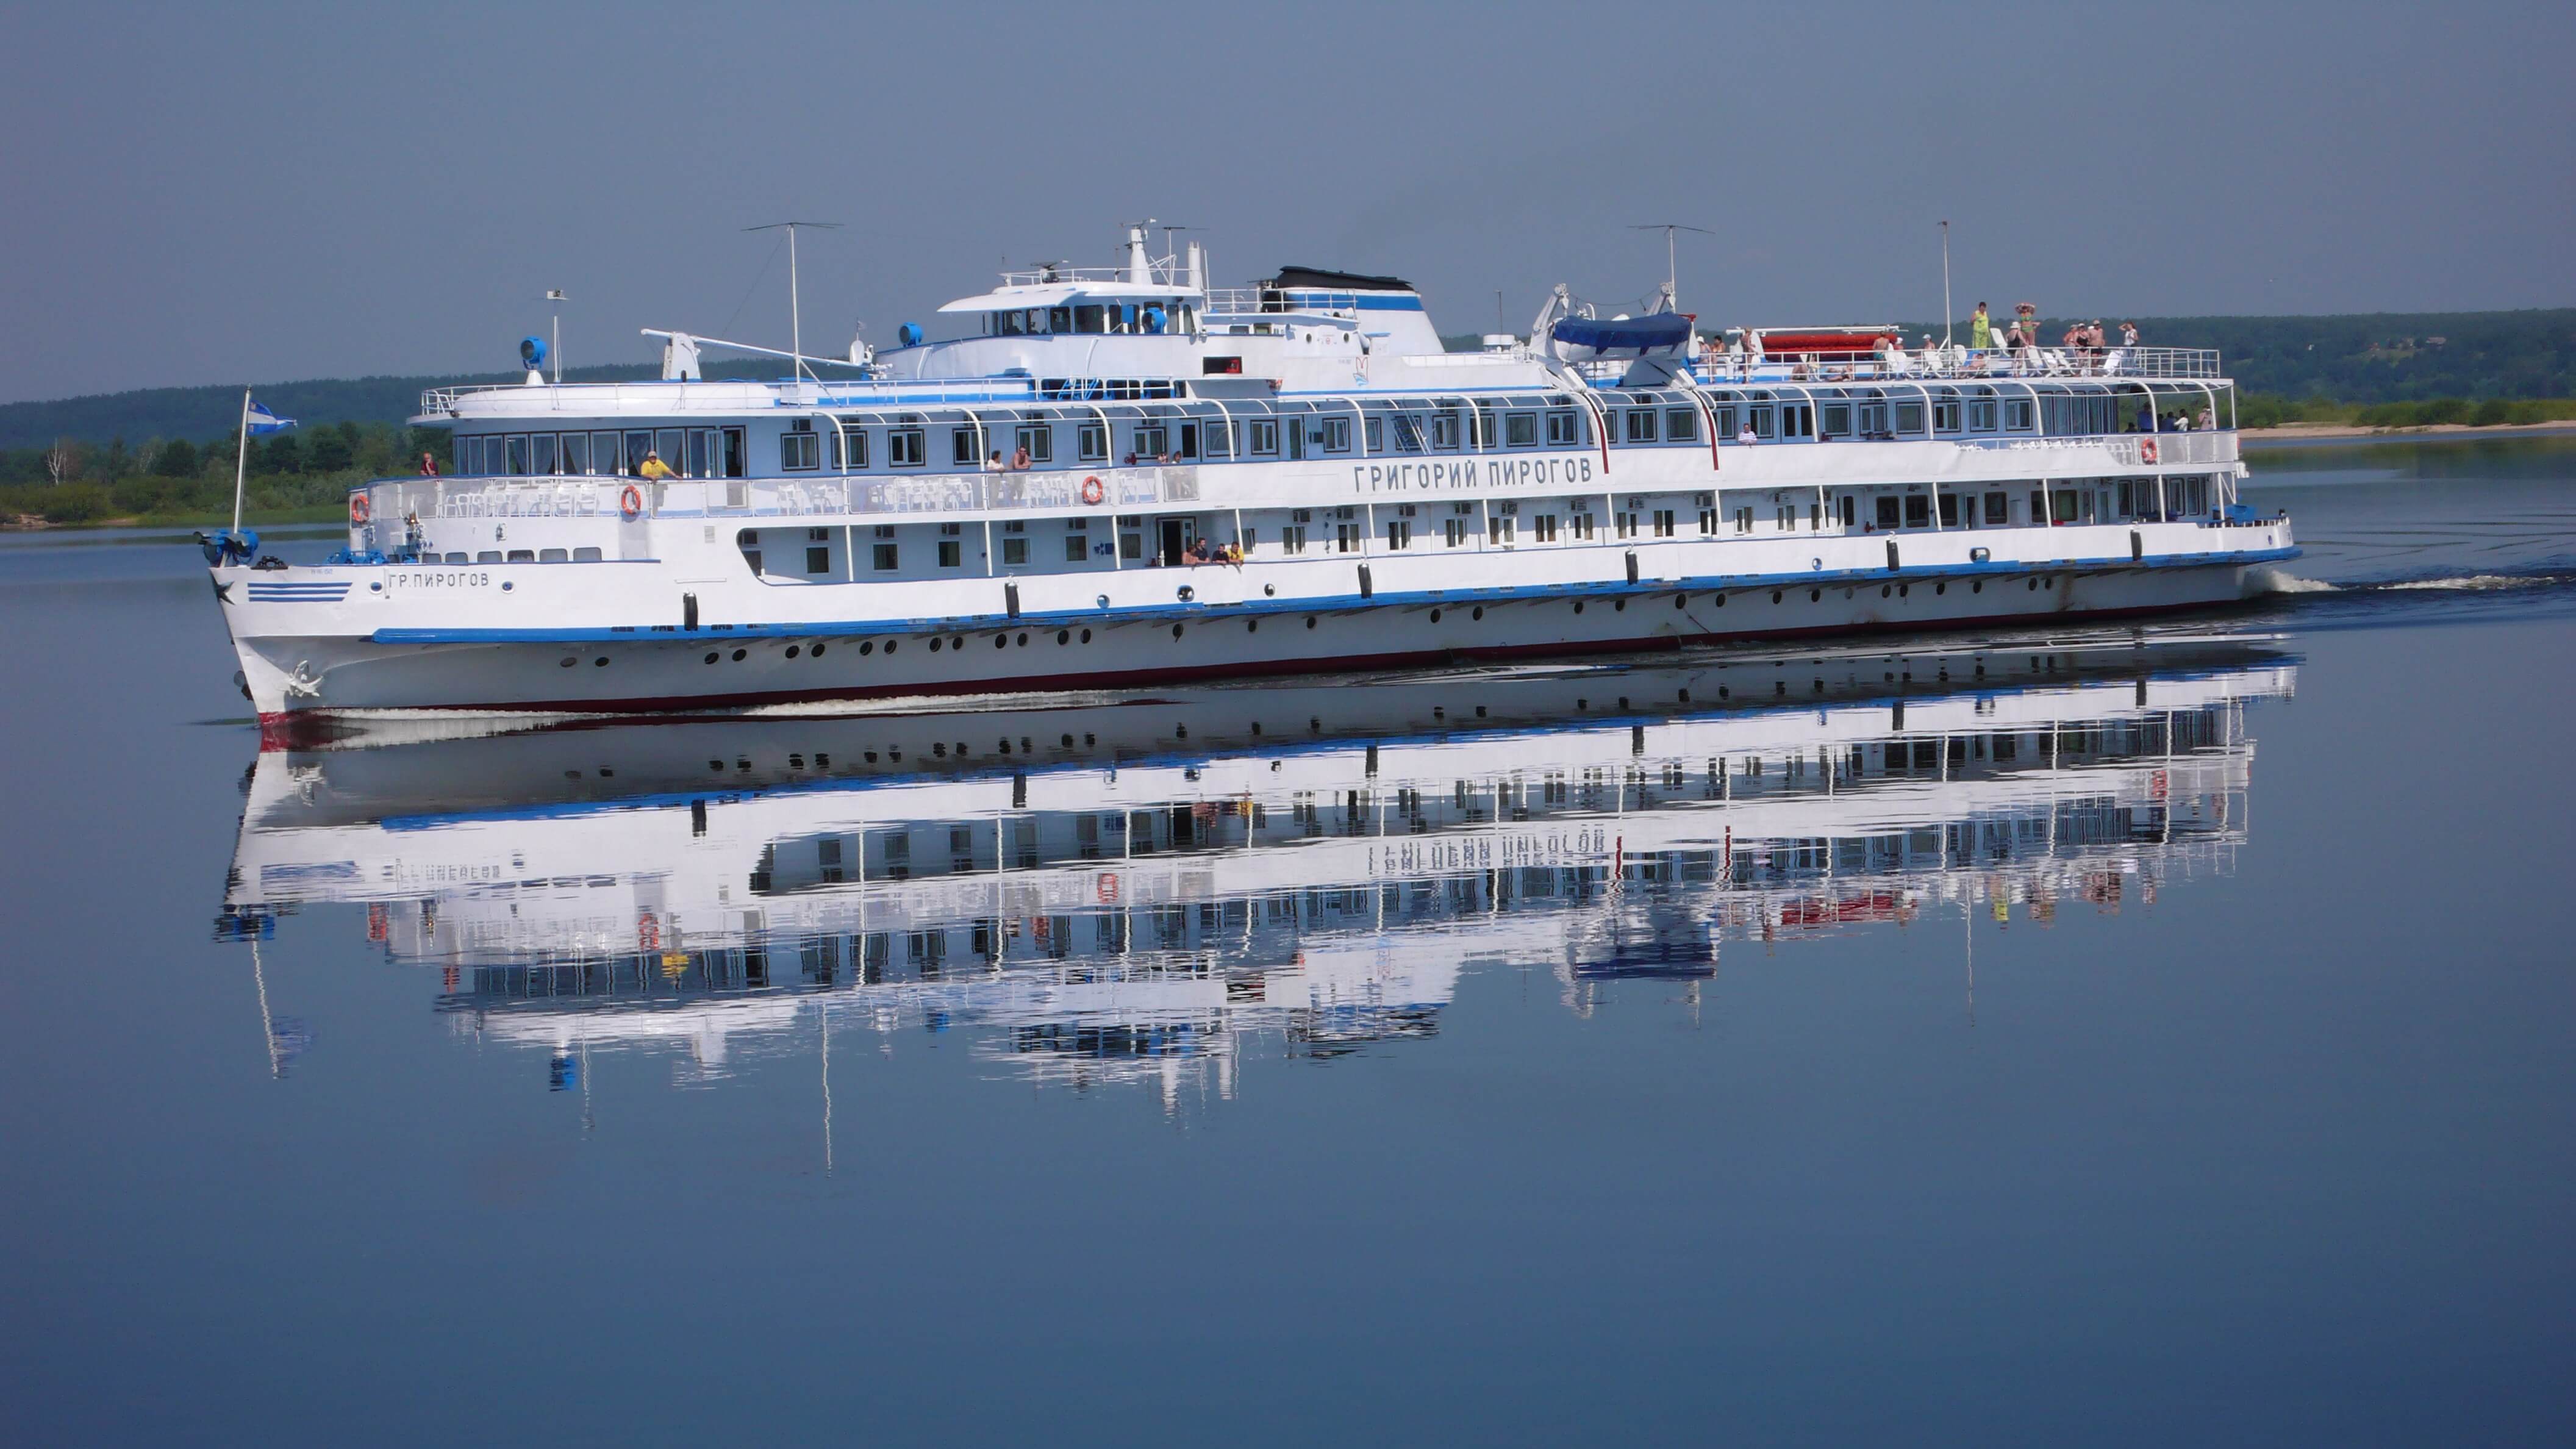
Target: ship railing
[1950, 364]
[2141, 450]
[1117, 490]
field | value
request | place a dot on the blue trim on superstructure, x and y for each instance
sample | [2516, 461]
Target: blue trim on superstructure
[1339, 603]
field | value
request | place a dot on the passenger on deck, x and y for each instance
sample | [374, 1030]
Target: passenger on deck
[428, 466]
[1744, 435]
[1233, 554]
[2128, 334]
[2208, 419]
[1981, 329]
[1197, 553]
[1020, 459]
[654, 467]
[993, 461]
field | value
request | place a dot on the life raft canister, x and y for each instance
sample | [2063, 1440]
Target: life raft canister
[357, 510]
[630, 503]
[1091, 490]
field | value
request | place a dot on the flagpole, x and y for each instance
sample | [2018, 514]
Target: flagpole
[241, 459]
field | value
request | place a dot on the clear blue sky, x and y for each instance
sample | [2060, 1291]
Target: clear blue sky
[220, 194]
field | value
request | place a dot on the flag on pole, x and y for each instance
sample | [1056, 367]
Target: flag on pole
[262, 422]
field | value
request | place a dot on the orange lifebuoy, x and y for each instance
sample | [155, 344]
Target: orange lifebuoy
[2146, 450]
[648, 933]
[357, 509]
[630, 503]
[1091, 492]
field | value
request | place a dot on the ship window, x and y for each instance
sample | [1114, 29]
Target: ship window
[1059, 319]
[1998, 509]
[1337, 435]
[882, 557]
[1220, 439]
[1641, 425]
[1292, 539]
[1454, 531]
[523, 555]
[1037, 440]
[1949, 510]
[1188, 450]
[800, 447]
[1918, 511]
[1520, 430]
[851, 440]
[1873, 419]
[736, 452]
[1399, 533]
[1376, 434]
[904, 447]
[952, 554]
[671, 444]
[1764, 425]
[1797, 420]
[2017, 414]
[1015, 551]
[637, 445]
[576, 454]
[1744, 520]
[1561, 428]
[1838, 420]
[1981, 415]
[702, 452]
[1444, 430]
[517, 457]
[1663, 523]
[1091, 442]
[588, 553]
[1152, 442]
[818, 559]
[1909, 417]
[1261, 437]
[1725, 424]
[1543, 528]
[553, 555]
[1681, 425]
[541, 456]
[1091, 318]
[1887, 512]
[961, 446]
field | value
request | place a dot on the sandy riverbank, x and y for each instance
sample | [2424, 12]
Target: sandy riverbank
[2302, 432]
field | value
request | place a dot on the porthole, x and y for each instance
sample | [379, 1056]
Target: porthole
[1884, 591]
[1310, 621]
[1086, 636]
[1775, 596]
[569, 661]
[793, 651]
[1977, 586]
[1941, 588]
[2032, 586]
[1477, 613]
[600, 663]
[1064, 636]
[1681, 601]
[1176, 631]
[1618, 606]
[1815, 596]
[1022, 639]
[934, 644]
[890, 645]
[1578, 606]
[738, 655]
[1001, 641]
[1435, 616]
[1068, 742]
[711, 657]
[1903, 589]
[818, 651]
[1252, 626]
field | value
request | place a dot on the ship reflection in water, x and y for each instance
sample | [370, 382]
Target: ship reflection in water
[1154, 891]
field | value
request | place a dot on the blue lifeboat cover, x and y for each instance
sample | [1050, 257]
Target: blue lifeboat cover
[1657, 333]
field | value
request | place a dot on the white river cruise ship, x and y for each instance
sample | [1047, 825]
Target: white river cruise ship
[1124, 476]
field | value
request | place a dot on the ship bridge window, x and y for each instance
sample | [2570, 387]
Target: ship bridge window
[1059, 319]
[1091, 317]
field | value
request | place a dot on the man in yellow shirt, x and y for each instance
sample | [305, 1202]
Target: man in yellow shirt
[1981, 329]
[654, 467]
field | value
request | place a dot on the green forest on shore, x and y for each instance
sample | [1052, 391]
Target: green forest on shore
[165, 455]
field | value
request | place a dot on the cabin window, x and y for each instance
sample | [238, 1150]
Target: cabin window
[1561, 430]
[1981, 415]
[553, 555]
[1785, 517]
[1188, 451]
[1998, 509]
[961, 447]
[1015, 552]
[1626, 524]
[1091, 442]
[1220, 439]
[1543, 528]
[736, 448]
[1399, 533]
[952, 553]
[1444, 430]
[588, 553]
[1663, 523]
[1949, 510]
[523, 555]
[1744, 520]
[1945, 415]
[1707, 522]
[1131, 537]
[904, 448]
[544, 464]
[1641, 425]
[637, 445]
[1059, 319]
[1346, 538]
[1037, 440]
[1375, 434]
[1520, 430]
[2017, 415]
[1261, 437]
[818, 558]
[576, 454]
[1909, 418]
[1090, 317]
[518, 456]
[702, 452]
[1873, 419]
[800, 448]
[1153, 441]
[1453, 531]
[1838, 420]
[1765, 422]
[1502, 531]
[1337, 435]
[1888, 511]
[1918, 511]
[1725, 424]
[2062, 505]
[882, 557]
[1681, 425]
[1582, 526]
[849, 445]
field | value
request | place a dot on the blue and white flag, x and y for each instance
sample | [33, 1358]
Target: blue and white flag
[263, 422]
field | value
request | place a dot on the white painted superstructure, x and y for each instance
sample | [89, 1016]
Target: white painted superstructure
[1019, 508]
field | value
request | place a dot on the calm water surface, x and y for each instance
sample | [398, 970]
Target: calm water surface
[2133, 1036]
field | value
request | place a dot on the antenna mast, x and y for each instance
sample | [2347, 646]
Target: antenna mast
[795, 306]
[1672, 270]
[1946, 308]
